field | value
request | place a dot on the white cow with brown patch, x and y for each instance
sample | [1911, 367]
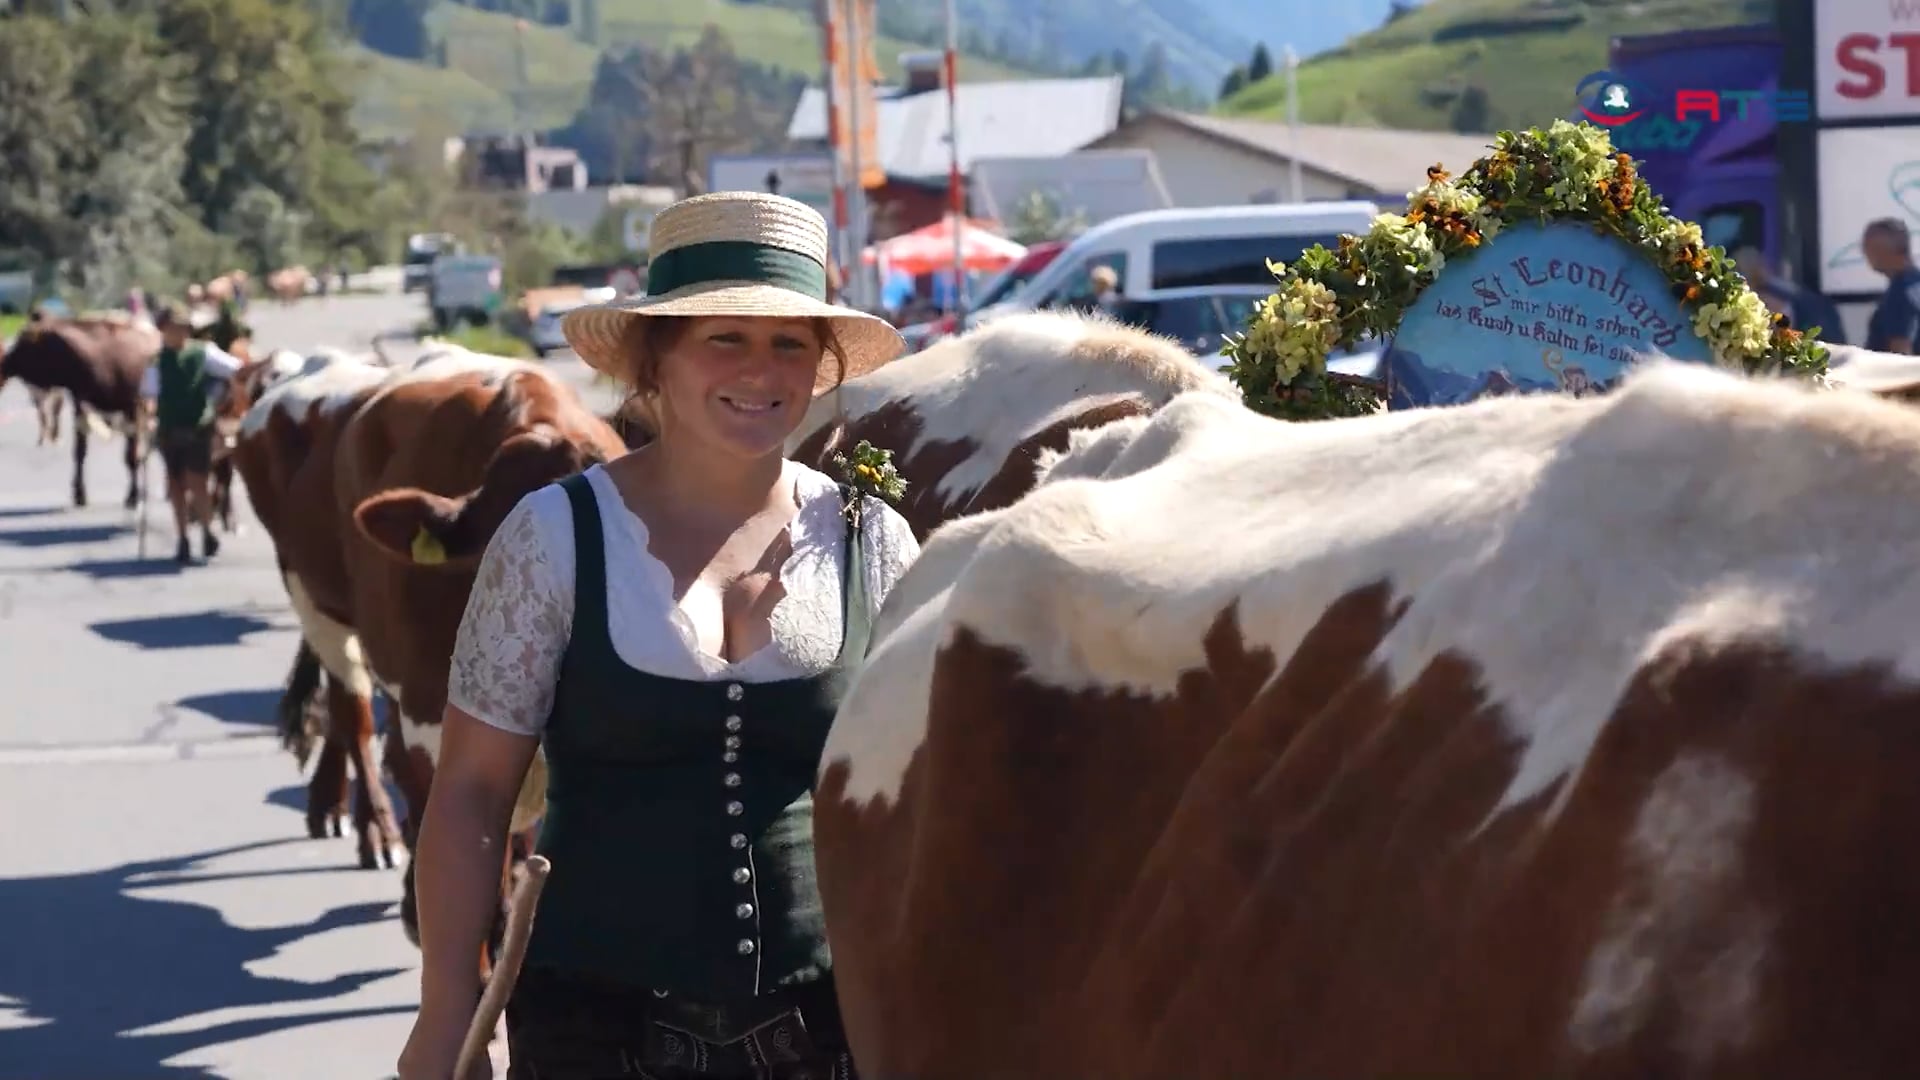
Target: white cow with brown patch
[1532, 737]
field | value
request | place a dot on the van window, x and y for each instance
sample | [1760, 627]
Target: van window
[1228, 260]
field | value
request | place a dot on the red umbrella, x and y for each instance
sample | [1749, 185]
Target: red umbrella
[930, 249]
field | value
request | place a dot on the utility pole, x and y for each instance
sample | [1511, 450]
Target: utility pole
[956, 195]
[1293, 125]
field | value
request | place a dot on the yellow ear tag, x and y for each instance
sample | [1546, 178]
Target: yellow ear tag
[427, 549]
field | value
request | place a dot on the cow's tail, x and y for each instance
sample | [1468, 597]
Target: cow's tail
[297, 732]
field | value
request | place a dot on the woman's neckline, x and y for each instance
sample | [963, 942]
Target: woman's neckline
[659, 578]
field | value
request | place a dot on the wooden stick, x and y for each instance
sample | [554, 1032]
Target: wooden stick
[526, 897]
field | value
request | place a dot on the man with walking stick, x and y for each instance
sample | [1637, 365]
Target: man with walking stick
[180, 392]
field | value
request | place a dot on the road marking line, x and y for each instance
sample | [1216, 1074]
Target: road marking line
[238, 746]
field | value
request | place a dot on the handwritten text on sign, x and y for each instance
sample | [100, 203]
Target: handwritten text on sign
[1542, 308]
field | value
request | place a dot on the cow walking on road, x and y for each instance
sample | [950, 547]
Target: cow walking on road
[99, 362]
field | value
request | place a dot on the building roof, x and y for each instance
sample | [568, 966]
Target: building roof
[1387, 160]
[1098, 184]
[1025, 118]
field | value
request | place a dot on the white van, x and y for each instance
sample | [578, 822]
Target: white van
[1189, 248]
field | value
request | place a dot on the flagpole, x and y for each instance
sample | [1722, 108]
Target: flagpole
[834, 136]
[857, 188]
[956, 195]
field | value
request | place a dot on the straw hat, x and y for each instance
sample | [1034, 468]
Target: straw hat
[735, 253]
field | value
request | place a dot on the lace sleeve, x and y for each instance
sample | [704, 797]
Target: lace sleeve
[506, 656]
[891, 549]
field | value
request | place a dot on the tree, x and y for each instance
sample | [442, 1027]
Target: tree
[1472, 112]
[394, 27]
[267, 111]
[1235, 81]
[1261, 65]
[1041, 216]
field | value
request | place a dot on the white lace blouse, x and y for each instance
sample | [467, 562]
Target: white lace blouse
[519, 615]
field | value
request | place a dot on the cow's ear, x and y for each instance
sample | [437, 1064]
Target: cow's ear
[418, 528]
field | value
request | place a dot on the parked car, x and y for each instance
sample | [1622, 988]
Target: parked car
[546, 335]
[416, 273]
[1201, 319]
[1187, 248]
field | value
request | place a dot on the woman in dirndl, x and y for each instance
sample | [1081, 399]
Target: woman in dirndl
[674, 628]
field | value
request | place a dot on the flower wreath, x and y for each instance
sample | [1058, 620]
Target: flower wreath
[1332, 299]
[870, 472]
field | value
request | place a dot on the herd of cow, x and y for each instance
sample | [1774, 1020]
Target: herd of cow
[1536, 736]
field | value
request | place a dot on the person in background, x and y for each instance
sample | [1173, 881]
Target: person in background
[1895, 324]
[1104, 294]
[181, 391]
[1803, 307]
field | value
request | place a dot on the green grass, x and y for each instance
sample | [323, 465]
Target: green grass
[476, 89]
[10, 325]
[1399, 76]
[486, 339]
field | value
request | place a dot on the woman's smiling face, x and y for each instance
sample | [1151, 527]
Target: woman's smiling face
[739, 384]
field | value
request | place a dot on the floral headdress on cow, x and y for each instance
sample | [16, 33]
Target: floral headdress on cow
[1569, 172]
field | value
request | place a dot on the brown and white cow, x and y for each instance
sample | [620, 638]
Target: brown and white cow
[98, 361]
[967, 418]
[442, 450]
[285, 451]
[1532, 737]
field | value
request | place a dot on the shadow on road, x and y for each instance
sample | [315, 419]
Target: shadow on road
[101, 569]
[62, 534]
[197, 630]
[253, 708]
[29, 511]
[91, 962]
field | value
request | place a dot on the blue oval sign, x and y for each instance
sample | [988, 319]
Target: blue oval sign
[1555, 307]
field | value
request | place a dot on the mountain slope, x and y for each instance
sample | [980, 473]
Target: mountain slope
[480, 85]
[1524, 55]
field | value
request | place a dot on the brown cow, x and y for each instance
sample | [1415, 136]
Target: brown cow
[1533, 737]
[439, 455]
[285, 451]
[967, 418]
[98, 361]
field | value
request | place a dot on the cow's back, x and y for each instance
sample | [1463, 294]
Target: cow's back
[969, 418]
[285, 451]
[1531, 737]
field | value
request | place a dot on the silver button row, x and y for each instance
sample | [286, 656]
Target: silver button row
[741, 874]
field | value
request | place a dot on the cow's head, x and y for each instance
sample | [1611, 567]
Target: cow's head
[434, 531]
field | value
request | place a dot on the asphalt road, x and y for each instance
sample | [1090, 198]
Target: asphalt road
[164, 913]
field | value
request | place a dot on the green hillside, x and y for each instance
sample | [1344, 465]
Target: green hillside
[476, 89]
[1524, 55]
